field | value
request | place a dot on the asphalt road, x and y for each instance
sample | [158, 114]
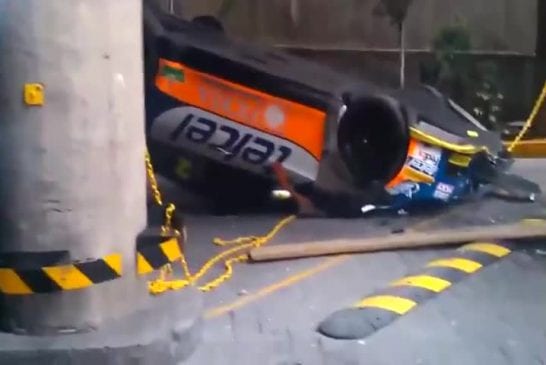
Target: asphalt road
[267, 313]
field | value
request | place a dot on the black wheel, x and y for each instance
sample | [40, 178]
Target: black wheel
[373, 139]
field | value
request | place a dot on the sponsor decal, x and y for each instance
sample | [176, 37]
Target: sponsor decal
[187, 126]
[209, 135]
[407, 188]
[421, 164]
[425, 159]
[443, 191]
[172, 73]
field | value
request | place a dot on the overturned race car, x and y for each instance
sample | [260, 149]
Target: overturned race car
[234, 121]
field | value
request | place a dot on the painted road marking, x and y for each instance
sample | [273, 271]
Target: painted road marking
[403, 295]
[270, 289]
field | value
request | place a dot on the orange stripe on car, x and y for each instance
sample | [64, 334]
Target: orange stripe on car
[300, 124]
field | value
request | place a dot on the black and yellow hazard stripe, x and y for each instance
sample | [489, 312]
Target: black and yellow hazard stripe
[156, 249]
[403, 295]
[48, 272]
[48, 279]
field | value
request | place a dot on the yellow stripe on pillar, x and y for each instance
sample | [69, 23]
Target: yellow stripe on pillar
[143, 266]
[68, 277]
[11, 283]
[115, 262]
[171, 249]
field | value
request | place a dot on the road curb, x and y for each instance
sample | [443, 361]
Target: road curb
[534, 148]
[166, 331]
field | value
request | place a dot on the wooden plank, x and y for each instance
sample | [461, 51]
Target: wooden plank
[401, 241]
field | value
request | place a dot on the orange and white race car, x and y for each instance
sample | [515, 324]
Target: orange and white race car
[221, 113]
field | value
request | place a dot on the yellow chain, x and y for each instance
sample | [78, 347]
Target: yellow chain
[243, 243]
[151, 176]
[241, 247]
[530, 120]
[169, 213]
[228, 264]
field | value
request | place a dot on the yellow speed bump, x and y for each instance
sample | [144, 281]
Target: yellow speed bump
[457, 263]
[388, 302]
[423, 281]
[401, 296]
[488, 248]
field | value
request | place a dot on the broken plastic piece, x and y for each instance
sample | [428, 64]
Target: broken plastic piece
[367, 208]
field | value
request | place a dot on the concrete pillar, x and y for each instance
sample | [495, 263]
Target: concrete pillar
[72, 176]
[72, 170]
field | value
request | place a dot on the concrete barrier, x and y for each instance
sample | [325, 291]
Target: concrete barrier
[535, 148]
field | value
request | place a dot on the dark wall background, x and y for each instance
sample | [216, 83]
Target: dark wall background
[494, 25]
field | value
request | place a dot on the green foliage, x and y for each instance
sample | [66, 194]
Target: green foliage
[452, 39]
[473, 85]
[449, 68]
[487, 98]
